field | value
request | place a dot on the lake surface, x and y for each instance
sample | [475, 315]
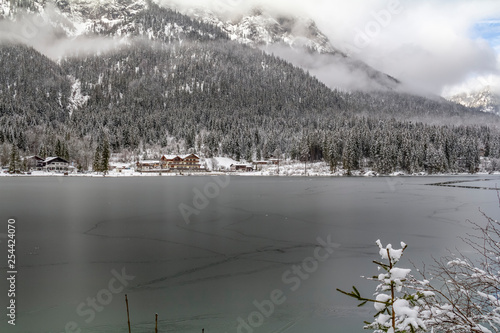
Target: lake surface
[213, 262]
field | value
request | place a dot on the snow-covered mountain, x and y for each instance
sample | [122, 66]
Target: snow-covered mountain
[259, 28]
[305, 46]
[256, 29]
[76, 17]
[486, 99]
[295, 39]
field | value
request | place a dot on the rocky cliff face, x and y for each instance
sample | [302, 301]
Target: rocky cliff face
[261, 29]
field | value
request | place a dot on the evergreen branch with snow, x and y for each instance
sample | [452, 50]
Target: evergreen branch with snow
[464, 295]
[398, 310]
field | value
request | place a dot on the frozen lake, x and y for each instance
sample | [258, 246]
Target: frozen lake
[203, 262]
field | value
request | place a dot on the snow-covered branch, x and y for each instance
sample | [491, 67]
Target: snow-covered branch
[461, 294]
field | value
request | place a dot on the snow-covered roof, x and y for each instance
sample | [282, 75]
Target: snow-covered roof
[50, 159]
[187, 155]
[170, 157]
[35, 157]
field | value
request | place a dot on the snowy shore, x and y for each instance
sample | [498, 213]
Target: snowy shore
[319, 169]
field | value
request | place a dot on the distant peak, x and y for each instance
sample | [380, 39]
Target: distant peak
[486, 99]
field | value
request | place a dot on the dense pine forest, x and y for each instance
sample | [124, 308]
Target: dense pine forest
[182, 86]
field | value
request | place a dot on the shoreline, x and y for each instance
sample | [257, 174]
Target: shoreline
[223, 166]
[369, 174]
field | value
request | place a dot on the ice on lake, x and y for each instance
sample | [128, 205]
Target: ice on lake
[236, 249]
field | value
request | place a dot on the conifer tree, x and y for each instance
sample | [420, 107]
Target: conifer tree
[59, 149]
[43, 152]
[96, 165]
[15, 160]
[65, 151]
[105, 154]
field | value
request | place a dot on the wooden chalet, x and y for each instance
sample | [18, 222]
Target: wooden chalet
[57, 164]
[34, 162]
[190, 162]
[167, 163]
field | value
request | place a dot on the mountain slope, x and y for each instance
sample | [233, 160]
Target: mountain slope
[292, 38]
[298, 40]
[122, 22]
[35, 90]
[485, 100]
[149, 92]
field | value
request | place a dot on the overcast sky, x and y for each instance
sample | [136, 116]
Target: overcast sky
[432, 44]
[437, 45]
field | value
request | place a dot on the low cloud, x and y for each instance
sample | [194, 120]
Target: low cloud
[474, 83]
[50, 40]
[336, 71]
[429, 43]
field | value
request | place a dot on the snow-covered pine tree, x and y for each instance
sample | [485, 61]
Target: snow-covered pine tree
[105, 155]
[96, 165]
[15, 163]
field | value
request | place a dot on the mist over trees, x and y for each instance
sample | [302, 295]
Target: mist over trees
[182, 86]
